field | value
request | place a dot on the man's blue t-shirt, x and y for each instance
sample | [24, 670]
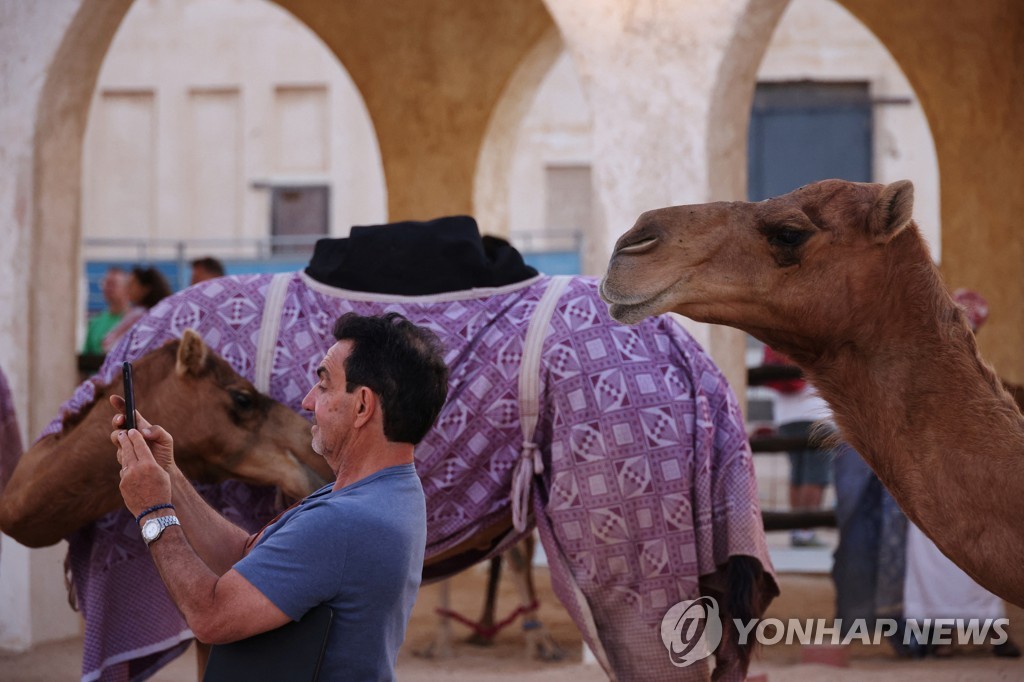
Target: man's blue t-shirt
[359, 549]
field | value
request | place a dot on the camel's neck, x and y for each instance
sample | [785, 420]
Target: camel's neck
[86, 454]
[911, 394]
[64, 480]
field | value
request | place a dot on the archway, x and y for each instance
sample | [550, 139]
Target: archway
[429, 72]
[962, 61]
[226, 129]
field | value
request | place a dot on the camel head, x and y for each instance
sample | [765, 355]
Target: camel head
[223, 428]
[795, 271]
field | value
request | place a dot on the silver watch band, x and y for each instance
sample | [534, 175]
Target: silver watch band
[159, 524]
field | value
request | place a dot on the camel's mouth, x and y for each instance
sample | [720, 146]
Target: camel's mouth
[641, 245]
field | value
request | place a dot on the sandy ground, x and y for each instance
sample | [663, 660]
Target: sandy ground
[803, 596]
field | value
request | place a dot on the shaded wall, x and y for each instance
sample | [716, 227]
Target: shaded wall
[430, 72]
[964, 61]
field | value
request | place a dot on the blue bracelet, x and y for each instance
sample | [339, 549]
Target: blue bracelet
[145, 512]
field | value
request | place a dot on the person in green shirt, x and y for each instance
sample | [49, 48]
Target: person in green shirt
[114, 286]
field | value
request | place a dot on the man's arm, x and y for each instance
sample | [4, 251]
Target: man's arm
[217, 541]
[218, 609]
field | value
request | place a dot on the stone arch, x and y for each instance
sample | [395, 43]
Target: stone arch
[430, 77]
[431, 74]
[490, 185]
[57, 170]
[962, 62]
[230, 100]
[733, 95]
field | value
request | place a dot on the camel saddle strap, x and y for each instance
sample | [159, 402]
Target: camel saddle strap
[530, 463]
[270, 325]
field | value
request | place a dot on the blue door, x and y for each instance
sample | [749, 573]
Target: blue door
[807, 131]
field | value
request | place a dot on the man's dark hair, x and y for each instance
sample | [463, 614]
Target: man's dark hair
[210, 264]
[400, 362]
[157, 288]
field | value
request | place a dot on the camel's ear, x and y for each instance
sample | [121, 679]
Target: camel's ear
[893, 211]
[191, 354]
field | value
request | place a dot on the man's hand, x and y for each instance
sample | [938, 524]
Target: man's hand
[160, 442]
[144, 483]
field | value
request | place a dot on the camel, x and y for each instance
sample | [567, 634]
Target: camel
[224, 429]
[622, 446]
[836, 276]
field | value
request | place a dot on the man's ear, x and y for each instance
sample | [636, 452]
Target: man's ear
[365, 405]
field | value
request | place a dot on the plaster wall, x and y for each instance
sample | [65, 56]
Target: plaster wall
[820, 40]
[650, 73]
[431, 73]
[240, 95]
[814, 40]
[557, 130]
[34, 344]
[963, 60]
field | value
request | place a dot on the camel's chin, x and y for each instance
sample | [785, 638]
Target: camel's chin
[628, 313]
[633, 308]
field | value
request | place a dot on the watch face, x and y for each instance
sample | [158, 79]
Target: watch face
[151, 530]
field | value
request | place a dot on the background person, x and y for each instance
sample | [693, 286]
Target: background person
[114, 287]
[146, 287]
[868, 565]
[356, 544]
[206, 268]
[796, 409]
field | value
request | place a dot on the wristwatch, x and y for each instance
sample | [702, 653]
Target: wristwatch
[154, 528]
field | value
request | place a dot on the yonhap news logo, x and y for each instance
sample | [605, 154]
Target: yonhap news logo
[691, 630]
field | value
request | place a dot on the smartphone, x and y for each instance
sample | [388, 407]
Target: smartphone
[129, 396]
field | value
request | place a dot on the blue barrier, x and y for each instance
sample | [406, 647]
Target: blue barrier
[178, 275]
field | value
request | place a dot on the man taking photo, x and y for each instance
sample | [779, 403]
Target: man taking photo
[356, 545]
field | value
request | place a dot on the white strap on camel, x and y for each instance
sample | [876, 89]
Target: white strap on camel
[270, 325]
[530, 463]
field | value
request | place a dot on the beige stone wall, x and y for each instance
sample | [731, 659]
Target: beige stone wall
[48, 65]
[200, 106]
[820, 40]
[814, 40]
[963, 60]
[430, 73]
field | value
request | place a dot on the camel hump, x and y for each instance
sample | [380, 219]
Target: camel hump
[893, 210]
[192, 354]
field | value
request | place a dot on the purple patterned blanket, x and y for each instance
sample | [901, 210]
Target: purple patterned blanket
[647, 481]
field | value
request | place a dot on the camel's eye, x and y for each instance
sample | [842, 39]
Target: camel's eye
[242, 400]
[788, 237]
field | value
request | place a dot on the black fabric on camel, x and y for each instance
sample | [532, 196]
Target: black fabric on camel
[414, 258]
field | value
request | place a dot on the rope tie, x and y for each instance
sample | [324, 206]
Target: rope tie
[529, 465]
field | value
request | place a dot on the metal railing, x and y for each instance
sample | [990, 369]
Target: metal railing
[785, 520]
[555, 252]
